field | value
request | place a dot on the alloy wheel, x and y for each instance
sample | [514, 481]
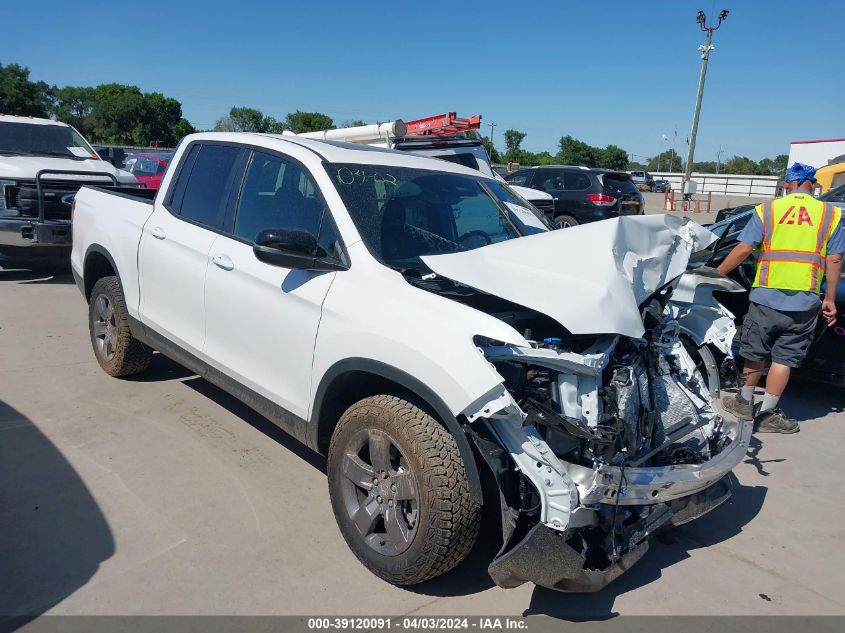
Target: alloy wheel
[380, 492]
[105, 328]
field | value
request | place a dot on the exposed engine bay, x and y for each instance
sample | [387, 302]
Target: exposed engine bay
[598, 440]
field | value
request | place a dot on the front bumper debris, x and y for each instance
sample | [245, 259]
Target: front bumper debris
[646, 485]
[545, 558]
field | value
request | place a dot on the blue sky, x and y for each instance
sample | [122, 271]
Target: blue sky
[604, 72]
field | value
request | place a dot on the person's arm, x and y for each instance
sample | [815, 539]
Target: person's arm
[833, 267]
[738, 255]
[749, 238]
[834, 270]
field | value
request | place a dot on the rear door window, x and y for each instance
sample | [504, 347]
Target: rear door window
[205, 192]
[549, 181]
[573, 181]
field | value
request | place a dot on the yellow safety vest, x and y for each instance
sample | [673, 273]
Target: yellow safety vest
[796, 229]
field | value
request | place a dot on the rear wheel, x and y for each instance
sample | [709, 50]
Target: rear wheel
[118, 352]
[399, 491]
[565, 221]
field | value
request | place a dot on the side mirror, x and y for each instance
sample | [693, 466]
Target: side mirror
[295, 249]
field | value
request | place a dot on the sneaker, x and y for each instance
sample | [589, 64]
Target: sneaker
[774, 421]
[735, 405]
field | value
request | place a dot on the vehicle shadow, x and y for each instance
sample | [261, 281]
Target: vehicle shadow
[160, 370]
[35, 277]
[53, 535]
[257, 421]
[667, 548]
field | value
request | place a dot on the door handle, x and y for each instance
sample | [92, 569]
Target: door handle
[158, 233]
[223, 261]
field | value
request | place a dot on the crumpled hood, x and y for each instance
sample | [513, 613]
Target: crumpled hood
[25, 167]
[591, 278]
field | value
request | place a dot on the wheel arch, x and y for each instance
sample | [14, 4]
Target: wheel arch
[98, 263]
[353, 379]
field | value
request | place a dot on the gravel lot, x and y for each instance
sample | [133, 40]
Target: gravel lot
[163, 495]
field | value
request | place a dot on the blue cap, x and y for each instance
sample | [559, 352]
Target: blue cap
[800, 172]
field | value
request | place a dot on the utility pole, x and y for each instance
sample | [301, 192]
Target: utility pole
[719, 159]
[705, 49]
[674, 153]
[492, 125]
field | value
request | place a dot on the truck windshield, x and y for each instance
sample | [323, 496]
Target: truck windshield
[43, 140]
[403, 214]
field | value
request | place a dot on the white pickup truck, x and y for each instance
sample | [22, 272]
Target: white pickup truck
[389, 311]
[42, 164]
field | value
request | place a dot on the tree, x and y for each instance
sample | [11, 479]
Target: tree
[491, 150]
[666, 161]
[19, 95]
[117, 112]
[613, 157]
[575, 152]
[246, 120]
[75, 105]
[741, 165]
[351, 123]
[774, 166]
[513, 141]
[636, 166]
[298, 122]
[705, 167]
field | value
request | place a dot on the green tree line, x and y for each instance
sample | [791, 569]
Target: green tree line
[670, 160]
[108, 113]
[572, 151]
[123, 114]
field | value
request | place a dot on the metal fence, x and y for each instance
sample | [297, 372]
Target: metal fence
[726, 184]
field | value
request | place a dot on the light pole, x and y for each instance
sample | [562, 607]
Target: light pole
[705, 49]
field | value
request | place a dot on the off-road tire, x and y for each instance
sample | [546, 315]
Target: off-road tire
[131, 356]
[448, 519]
[564, 221]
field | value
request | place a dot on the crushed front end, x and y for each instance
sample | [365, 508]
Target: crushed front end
[596, 442]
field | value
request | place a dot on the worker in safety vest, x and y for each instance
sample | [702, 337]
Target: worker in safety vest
[801, 240]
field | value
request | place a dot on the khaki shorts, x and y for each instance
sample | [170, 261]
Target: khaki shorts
[784, 337]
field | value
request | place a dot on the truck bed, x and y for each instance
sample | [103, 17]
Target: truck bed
[110, 220]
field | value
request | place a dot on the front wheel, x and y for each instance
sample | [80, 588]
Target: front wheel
[399, 491]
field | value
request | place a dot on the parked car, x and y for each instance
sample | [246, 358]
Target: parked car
[383, 308]
[148, 167]
[825, 360]
[42, 164]
[662, 186]
[643, 180]
[582, 195]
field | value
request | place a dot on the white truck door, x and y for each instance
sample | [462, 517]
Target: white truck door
[175, 242]
[262, 319]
